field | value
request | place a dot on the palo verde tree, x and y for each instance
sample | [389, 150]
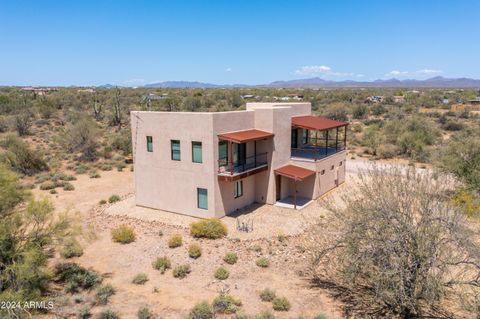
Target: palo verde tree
[394, 246]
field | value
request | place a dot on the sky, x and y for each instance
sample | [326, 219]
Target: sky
[133, 43]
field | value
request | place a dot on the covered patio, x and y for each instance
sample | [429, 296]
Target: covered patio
[297, 175]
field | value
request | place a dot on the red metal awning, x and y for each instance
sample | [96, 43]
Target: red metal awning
[245, 136]
[316, 123]
[294, 172]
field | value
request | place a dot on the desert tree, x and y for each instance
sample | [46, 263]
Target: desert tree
[23, 121]
[394, 246]
[81, 137]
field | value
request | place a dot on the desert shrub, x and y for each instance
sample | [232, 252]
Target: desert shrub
[162, 264]
[360, 111]
[81, 169]
[230, 258]
[21, 157]
[123, 234]
[336, 111]
[267, 295]
[140, 279]
[75, 277]
[281, 304]
[68, 186]
[94, 174]
[226, 304]
[194, 251]
[321, 316]
[201, 310]
[263, 262]
[181, 271]
[175, 241]
[120, 166]
[114, 198]
[53, 191]
[3, 124]
[257, 248]
[48, 185]
[401, 240]
[84, 312]
[71, 248]
[123, 142]
[453, 126]
[372, 138]
[108, 314]
[144, 313]
[104, 293]
[208, 228]
[102, 202]
[221, 273]
[81, 137]
[106, 167]
[265, 314]
[23, 122]
[240, 314]
[468, 201]
[388, 151]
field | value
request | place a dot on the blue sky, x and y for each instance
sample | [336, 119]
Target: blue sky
[252, 42]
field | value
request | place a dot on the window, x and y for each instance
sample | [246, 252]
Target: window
[175, 146]
[197, 152]
[323, 172]
[340, 164]
[202, 198]
[305, 136]
[331, 168]
[222, 153]
[238, 189]
[149, 144]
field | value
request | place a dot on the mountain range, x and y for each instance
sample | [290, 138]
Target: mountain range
[316, 82]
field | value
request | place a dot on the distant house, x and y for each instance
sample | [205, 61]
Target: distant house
[398, 99]
[375, 99]
[475, 101]
[248, 96]
[88, 90]
[296, 97]
[154, 97]
[465, 106]
[445, 101]
[39, 90]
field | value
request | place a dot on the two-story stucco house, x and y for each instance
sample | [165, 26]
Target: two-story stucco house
[213, 164]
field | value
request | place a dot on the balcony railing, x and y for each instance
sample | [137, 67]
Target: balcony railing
[315, 153]
[251, 162]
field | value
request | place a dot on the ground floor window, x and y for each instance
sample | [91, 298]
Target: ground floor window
[202, 198]
[149, 144]
[175, 150]
[238, 189]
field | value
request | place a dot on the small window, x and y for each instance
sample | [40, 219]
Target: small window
[149, 144]
[323, 172]
[175, 148]
[197, 152]
[202, 198]
[238, 189]
[306, 133]
[341, 163]
[333, 166]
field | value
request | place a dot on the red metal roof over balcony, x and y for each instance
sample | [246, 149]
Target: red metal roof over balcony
[316, 123]
[245, 136]
[294, 172]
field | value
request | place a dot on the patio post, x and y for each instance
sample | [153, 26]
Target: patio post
[345, 139]
[336, 141]
[230, 157]
[326, 144]
[255, 153]
[295, 193]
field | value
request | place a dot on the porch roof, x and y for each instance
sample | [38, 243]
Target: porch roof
[316, 123]
[245, 136]
[294, 172]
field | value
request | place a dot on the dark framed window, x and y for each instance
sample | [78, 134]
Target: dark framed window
[323, 172]
[333, 166]
[238, 189]
[197, 152]
[202, 198]
[306, 134]
[175, 149]
[149, 144]
[340, 164]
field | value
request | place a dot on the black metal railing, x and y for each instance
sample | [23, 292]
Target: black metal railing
[314, 152]
[251, 162]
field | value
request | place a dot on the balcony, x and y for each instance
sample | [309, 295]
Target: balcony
[314, 153]
[231, 171]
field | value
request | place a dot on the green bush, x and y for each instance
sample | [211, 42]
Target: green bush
[240, 315]
[144, 313]
[102, 202]
[20, 157]
[162, 264]
[194, 251]
[230, 258]
[94, 174]
[48, 185]
[123, 234]
[175, 241]
[114, 198]
[181, 271]
[201, 310]
[106, 167]
[84, 312]
[76, 277]
[226, 304]
[104, 293]
[140, 279]
[265, 314]
[71, 249]
[263, 262]
[212, 228]
[68, 187]
[81, 169]
[267, 295]
[281, 304]
[108, 314]
[221, 273]
[321, 316]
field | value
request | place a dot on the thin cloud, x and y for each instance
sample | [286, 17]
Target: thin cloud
[228, 70]
[397, 73]
[429, 71]
[313, 69]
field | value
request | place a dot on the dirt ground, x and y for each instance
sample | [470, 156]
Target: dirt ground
[169, 297]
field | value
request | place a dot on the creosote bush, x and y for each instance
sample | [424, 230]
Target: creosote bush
[230, 258]
[162, 264]
[71, 248]
[201, 310]
[108, 314]
[75, 277]
[84, 312]
[212, 228]
[181, 271]
[267, 295]
[140, 279]
[263, 262]
[226, 304]
[221, 273]
[144, 313]
[265, 314]
[104, 293]
[114, 198]
[123, 234]
[175, 241]
[281, 304]
[194, 251]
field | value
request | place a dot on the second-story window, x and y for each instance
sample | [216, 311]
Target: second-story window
[306, 133]
[175, 148]
[149, 144]
[197, 152]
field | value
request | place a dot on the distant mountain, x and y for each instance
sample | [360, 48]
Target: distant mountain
[106, 86]
[187, 84]
[435, 82]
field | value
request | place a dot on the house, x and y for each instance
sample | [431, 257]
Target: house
[375, 99]
[212, 164]
[398, 99]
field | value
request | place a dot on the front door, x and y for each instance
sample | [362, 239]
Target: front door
[294, 138]
[278, 183]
